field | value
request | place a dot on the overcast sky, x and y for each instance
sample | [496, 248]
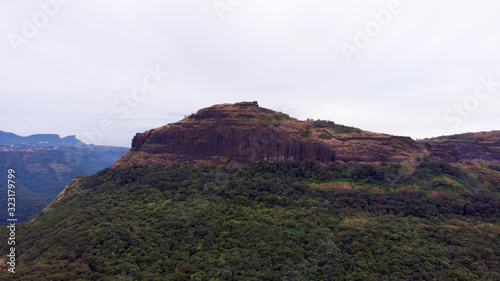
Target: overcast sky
[97, 68]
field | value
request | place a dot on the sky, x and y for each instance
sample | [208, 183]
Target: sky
[104, 70]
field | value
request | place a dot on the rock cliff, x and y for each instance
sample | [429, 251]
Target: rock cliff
[468, 152]
[245, 133]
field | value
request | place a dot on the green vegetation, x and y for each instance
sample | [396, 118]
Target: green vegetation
[263, 222]
[478, 137]
[325, 137]
[282, 116]
[337, 128]
[307, 133]
[433, 174]
[275, 117]
[461, 137]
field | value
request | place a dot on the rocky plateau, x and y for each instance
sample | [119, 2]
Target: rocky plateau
[245, 133]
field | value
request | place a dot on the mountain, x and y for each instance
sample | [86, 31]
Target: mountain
[245, 133]
[7, 138]
[45, 164]
[239, 192]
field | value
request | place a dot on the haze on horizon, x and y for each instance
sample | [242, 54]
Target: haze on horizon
[105, 70]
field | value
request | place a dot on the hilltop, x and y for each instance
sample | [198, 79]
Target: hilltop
[244, 133]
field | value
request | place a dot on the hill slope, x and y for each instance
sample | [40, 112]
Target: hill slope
[265, 222]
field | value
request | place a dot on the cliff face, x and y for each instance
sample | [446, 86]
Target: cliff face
[469, 148]
[466, 151]
[244, 133]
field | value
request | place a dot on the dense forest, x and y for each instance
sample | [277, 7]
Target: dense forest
[278, 221]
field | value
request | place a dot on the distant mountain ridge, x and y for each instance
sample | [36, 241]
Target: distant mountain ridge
[45, 163]
[38, 139]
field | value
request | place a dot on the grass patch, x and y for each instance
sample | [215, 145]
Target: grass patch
[307, 133]
[325, 137]
[337, 128]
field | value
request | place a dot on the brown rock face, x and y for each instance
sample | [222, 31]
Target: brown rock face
[244, 133]
[466, 151]
[468, 148]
